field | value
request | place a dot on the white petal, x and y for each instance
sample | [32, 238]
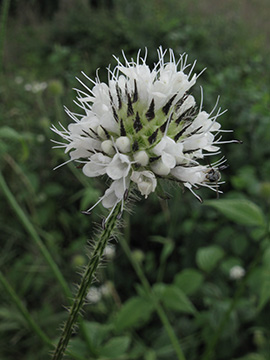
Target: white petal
[192, 175]
[109, 199]
[160, 168]
[119, 167]
[168, 160]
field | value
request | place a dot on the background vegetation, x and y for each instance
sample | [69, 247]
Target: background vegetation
[186, 249]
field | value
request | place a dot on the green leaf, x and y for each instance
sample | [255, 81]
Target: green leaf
[96, 333]
[208, 257]
[264, 294]
[252, 356]
[115, 347]
[133, 313]
[188, 280]
[173, 298]
[241, 211]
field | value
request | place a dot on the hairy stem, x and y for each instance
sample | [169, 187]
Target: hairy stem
[85, 283]
[159, 309]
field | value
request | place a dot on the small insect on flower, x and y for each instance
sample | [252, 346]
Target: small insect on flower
[213, 174]
[142, 126]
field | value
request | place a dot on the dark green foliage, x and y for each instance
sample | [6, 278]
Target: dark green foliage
[186, 249]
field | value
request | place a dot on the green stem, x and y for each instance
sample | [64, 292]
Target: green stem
[32, 232]
[160, 311]
[32, 324]
[85, 283]
[3, 22]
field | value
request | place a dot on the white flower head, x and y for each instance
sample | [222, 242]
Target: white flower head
[144, 125]
[94, 295]
[237, 272]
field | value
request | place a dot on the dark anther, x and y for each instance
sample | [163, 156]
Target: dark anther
[103, 223]
[106, 132]
[152, 138]
[125, 194]
[137, 165]
[118, 91]
[130, 110]
[167, 106]
[223, 167]
[115, 114]
[122, 128]
[118, 217]
[135, 94]
[181, 132]
[137, 123]
[154, 158]
[150, 114]
[135, 146]
[86, 212]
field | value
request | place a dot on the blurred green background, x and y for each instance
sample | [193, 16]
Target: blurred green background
[185, 248]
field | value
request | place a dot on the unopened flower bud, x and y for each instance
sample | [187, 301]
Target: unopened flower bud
[141, 158]
[107, 147]
[101, 133]
[123, 144]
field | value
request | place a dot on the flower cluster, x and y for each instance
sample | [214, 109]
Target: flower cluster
[144, 125]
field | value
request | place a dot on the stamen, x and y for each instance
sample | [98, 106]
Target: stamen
[110, 213]
[201, 103]
[91, 80]
[192, 68]
[64, 163]
[188, 185]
